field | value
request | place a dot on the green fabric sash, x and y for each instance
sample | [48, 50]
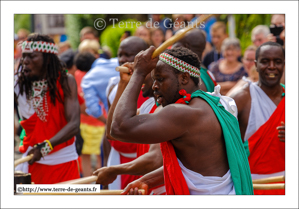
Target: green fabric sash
[206, 79]
[236, 155]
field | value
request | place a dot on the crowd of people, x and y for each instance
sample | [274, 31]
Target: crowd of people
[201, 118]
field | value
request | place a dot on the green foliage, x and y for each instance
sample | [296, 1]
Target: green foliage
[245, 23]
[22, 21]
[112, 34]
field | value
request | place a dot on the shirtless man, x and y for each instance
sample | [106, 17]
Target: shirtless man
[191, 135]
[261, 110]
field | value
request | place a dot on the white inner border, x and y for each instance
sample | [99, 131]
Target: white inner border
[8, 9]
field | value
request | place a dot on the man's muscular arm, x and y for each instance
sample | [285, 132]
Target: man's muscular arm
[140, 166]
[72, 116]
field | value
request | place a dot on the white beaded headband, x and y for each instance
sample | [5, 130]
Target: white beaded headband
[179, 64]
[39, 46]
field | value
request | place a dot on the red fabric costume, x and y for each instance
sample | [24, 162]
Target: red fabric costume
[267, 152]
[38, 131]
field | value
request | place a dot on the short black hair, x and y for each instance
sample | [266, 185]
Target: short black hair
[68, 58]
[269, 43]
[186, 55]
[84, 60]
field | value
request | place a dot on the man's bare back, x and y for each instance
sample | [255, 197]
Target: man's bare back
[201, 148]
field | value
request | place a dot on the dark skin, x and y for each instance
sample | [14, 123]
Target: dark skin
[143, 164]
[32, 64]
[196, 42]
[270, 66]
[193, 129]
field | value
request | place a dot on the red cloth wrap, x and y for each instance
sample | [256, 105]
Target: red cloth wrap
[174, 180]
[38, 131]
[51, 174]
[267, 153]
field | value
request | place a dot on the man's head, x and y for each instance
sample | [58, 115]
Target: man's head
[168, 81]
[129, 48]
[194, 40]
[248, 58]
[259, 35]
[88, 33]
[39, 61]
[218, 34]
[84, 60]
[270, 61]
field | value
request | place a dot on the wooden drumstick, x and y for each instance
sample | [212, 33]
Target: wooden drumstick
[103, 192]
[269, 180]
[85, 180]
[122, 69]
[268, 186]
[23, 160]
[179, 35]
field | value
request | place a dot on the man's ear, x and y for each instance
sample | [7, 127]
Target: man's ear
[185, 78]
[255, 63]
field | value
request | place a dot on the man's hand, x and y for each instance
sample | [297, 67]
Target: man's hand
[105, 176]
[125, 77]
[281, 132]
[143, 62]
[37, 155]
[271, 37]
[132, 188]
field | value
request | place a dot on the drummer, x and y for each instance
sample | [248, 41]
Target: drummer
[48, 104]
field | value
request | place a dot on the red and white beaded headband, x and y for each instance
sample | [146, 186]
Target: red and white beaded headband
[179, 64]
[39, 46]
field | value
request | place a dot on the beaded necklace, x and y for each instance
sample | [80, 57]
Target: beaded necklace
[39, 89]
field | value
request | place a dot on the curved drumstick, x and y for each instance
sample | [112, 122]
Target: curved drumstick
[179, 35]
[23, 160]
[269, 180]
[268, 186]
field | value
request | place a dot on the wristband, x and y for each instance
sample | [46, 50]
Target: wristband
[45, 147]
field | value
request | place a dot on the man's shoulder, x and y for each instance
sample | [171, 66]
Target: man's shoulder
[242, 96]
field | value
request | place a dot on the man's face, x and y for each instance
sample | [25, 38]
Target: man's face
[259, 39]
[165, 84]
[270, 65]
[248, 60]
[217, 38]
[33, 65]
[126, 53]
